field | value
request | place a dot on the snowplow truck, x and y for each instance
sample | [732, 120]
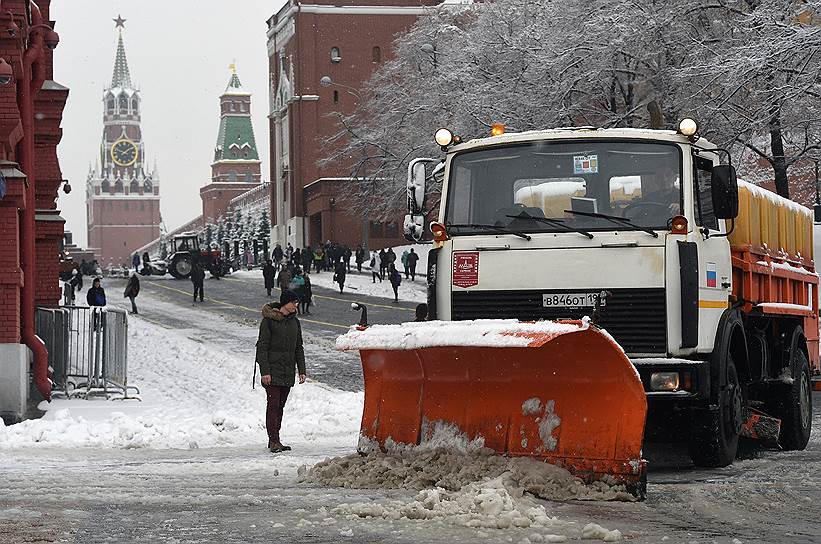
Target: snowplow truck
[705, 285]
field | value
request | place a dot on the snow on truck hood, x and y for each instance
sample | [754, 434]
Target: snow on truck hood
[476, 333]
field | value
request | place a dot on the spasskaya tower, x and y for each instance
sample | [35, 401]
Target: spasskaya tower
[122, 193]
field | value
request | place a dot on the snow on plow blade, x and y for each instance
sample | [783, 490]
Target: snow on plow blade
[563, 392]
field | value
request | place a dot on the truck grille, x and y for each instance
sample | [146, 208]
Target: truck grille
[636, 318]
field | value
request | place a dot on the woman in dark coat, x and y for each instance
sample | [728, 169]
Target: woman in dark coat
[132, 289]
[269, 273]
[339, 274]
[279, 354]
[395, 278]
[306, 294]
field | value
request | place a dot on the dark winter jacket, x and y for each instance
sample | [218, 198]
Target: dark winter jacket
[306, 292]
[279, 346]
[339, 272]
[277, 254]
[133, 287]
[360, 255]
[412, 259]
[197, 274]
[269, 273]
[284, 279]
[395, 278]
[96, 296]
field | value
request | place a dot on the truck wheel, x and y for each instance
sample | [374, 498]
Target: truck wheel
[714, 440]
[796, 406]
[181, 266]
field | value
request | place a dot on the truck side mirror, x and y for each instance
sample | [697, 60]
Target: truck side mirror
[416, 185]
[724, 188]
[414, 227]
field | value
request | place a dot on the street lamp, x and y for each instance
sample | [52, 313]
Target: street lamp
[817, 207]
[326, 81]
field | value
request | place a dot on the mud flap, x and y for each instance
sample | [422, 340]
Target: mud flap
[571, 399]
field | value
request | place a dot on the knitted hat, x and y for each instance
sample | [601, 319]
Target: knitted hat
[288, 296]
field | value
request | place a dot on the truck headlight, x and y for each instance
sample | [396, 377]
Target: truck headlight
[664, 381]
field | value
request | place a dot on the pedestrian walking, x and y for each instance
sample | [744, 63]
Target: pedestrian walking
[360, 258]
[289, 250]
[307, 295]
[383, 263]
[413, 258]
[280, 357]
[96, 295]
[135, 262]
[307, 260]
[76, 280]
[198, 279]
[277, 254]
[319, 257]
[340, 270]
[269, 274]
[376, 267]
[284, 278]
[346, 253]
[396, 279]
[297, 284]
[132, 289]
[405, 263]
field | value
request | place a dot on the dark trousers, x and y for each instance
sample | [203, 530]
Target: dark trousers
[277, 396]
[133, 305]
[374, 276]
[412, 270]
[198, 290]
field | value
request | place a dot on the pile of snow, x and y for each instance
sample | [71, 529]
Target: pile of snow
[478, 333]
[193, 395]
[462, 483]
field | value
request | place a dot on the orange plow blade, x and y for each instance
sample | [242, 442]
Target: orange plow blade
[562, 392]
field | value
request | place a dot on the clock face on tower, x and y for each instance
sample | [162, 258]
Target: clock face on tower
[124, 152]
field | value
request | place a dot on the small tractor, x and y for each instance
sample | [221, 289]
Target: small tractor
[186, 250]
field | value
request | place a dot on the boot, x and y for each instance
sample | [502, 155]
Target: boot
[275, 447]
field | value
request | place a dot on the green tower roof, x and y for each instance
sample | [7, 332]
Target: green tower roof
[121, 77]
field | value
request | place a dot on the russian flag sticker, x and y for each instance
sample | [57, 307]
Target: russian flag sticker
[711, 274]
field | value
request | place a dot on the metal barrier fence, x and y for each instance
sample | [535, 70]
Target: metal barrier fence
[88, 350]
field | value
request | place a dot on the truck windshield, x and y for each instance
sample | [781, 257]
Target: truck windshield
[509, 186]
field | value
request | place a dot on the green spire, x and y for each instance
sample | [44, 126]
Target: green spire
[121, 77]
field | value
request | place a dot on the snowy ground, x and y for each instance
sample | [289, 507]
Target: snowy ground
[188, 464]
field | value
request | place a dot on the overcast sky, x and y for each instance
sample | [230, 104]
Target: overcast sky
[178, 55]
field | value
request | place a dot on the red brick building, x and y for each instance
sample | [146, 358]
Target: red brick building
[306, 42]
[31, 229]
[122, 193]
[236, 166]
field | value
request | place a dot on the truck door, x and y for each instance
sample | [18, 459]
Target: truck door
[714, 260]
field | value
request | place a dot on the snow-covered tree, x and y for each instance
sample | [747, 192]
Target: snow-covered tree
[263, 226]
[748, 70]
[220, 232]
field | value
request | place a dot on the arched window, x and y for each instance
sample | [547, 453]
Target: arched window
[134, 105]
[376, 55]
[249, 177]
[233, 152]
[336, 97]
[123, 103]
[335, 55]
[118, 186]
[232, 175]
[111, 104]
[233, 107]
[242, 106]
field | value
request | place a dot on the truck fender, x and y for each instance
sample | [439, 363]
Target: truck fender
[797, 341]
[730, 338]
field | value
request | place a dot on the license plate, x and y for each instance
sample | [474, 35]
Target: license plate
[569, 300]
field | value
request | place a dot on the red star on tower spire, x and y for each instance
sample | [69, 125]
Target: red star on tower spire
[120, 22]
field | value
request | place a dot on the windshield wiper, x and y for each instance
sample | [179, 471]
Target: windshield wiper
[616, 219]
[500, 230]
[553, 222]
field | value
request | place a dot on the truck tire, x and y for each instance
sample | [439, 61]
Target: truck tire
[796, 405]
[714, 440]
[180, 266]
